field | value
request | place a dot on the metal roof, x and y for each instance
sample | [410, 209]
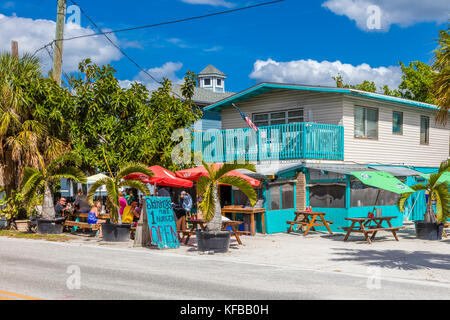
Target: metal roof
[397, 171]
[211, 70]
[267, 87]
[203, 96]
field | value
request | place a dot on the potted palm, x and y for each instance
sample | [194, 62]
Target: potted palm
[213, 238]
[37, 182]
[114, 232]
[433, 224]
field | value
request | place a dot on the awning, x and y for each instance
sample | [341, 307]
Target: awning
[161, 177]
[397, 171]
[382, 180]
[95, 178]
[195, 173]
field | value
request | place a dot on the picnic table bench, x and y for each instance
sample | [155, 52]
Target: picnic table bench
[308, 219]
[233, 210]
[78, 224]
[365, 227]
[201, 223]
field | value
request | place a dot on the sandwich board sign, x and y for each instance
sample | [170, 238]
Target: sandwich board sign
[161, 221]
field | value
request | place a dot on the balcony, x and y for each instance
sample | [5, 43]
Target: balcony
[279, 142]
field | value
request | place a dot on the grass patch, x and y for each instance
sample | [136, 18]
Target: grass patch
[35, 236]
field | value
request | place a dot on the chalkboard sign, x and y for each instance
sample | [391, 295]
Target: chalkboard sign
[161, 221]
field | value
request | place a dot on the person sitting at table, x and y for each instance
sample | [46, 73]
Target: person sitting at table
[60, 208]
[93, 215]
[122, 203]
[130, 214]
[81, 203]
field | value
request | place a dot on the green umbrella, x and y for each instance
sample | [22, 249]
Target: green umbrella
[383, 180]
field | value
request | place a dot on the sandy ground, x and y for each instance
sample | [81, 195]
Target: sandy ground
[409, 259]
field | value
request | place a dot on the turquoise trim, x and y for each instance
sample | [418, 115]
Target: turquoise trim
[267, 87]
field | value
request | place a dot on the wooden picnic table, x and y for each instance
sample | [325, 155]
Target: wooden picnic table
[78, 223]
[308, 219]
[196, 223]
[366, 226]
[252, 212]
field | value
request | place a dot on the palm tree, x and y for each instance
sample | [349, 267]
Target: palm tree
[441, 81]
[208, 188]
[113, 184]
[437, 190]
[30, 118]
[36, 182]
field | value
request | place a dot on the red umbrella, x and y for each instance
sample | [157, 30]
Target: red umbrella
[162, 177]
[195, 173]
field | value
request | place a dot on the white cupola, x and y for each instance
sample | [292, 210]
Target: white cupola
[212, 79]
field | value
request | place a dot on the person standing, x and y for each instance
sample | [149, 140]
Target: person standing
[81, 203]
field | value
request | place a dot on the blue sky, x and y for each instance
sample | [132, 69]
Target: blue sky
[292, 41]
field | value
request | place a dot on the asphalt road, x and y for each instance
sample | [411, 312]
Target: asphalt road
[45, 270]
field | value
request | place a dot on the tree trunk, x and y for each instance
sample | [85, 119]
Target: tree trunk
[216, 222]
[429, 215]
[48, 209]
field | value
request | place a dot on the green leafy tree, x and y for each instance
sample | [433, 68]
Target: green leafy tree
[113, 184]
[441, 81]
[208, 188]
[134, 126]
[417, 82]
[40, 182]
[32, 123]
[437, 190]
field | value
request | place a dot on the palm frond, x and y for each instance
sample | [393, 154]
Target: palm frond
[69, 173]
[66, 158]
[207, 206]
[203, 184]
[131, 168]
[242, 185]
[97, 185]
[209, 168]
[31, 185]
[227, 167]
[136, 184]
[442, 198]
[402, 200]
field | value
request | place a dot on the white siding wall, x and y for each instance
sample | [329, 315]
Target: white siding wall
[391, 148]
[325, 107]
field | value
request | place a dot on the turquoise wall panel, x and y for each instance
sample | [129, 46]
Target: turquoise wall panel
[276, 220]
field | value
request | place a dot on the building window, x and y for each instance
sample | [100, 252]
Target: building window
[397, 122]
[424, 130]
[327, 196]
[219, 82]
[282, 196]
[366, 123]
[279, 117]
[362, 195]
[207, 82]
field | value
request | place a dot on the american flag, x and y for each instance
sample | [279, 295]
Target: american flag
[247, 119]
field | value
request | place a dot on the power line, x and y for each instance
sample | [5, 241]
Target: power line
[173, 21]
[117, 46]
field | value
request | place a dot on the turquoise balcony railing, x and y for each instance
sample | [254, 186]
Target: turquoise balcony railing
[279, 142]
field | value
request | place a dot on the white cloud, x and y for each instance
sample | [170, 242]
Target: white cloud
[34, 34]
[401, 12]
[215, 3]
[312, 72]
[167, 70]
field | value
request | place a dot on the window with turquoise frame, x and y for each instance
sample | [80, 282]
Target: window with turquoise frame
[397, 122]
[282, 196]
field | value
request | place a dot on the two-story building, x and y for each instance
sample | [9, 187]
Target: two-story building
[311, 138]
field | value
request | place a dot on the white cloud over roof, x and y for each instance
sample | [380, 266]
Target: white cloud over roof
[312, 72]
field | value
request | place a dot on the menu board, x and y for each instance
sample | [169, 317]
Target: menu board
[161, 221]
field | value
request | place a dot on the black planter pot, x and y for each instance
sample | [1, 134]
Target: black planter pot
[116, 232]
[217, 241]
[54, 226]
[429, 231]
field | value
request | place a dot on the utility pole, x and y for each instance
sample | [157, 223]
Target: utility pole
[15, 48]
[57, 56]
